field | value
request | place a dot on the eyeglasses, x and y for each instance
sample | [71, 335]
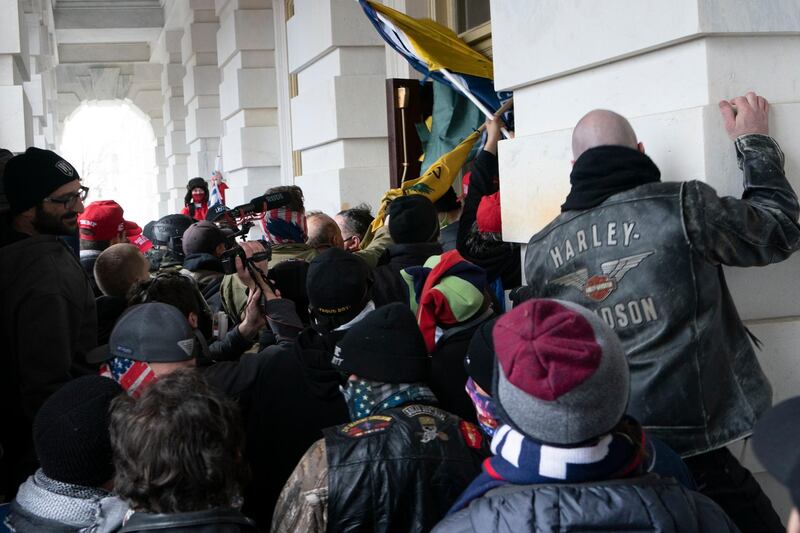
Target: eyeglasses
[69, 200]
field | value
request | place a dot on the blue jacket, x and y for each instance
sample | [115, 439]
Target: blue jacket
[642, 504]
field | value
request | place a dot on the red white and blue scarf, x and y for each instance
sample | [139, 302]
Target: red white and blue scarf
[520, 460]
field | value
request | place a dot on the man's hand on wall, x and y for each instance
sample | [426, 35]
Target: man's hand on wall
[745, 114]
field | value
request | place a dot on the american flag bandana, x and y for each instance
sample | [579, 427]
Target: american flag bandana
[284, 226]
[133, 376]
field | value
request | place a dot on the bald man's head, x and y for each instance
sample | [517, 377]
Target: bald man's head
[119, 267]
[601, 127]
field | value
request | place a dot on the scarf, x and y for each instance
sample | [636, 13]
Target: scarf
[446, 290]
[484, 407]
[520, 460]
[284, 226]
[365, 397]
[604, 171]
[85, 508]
[133, 376]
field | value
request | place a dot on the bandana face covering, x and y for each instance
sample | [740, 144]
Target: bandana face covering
[365, 397]
[484, 407]
[198, 197]
[133, 376]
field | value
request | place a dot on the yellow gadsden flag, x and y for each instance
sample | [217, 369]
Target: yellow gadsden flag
[432, 184]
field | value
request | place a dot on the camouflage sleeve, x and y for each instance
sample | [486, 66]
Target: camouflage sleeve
[303, 503]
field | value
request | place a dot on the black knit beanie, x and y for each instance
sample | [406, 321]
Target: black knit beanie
[31, 177]
[447, 202]
[413, 219]
[480, 358]
[337, 285]
[386, 346]
[70, 432]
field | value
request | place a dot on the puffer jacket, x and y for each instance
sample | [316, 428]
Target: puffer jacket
[641, 504]
[648, 260]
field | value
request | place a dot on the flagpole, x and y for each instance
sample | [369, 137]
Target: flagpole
[452, 79]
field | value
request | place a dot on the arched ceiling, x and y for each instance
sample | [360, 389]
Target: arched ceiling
[104, 52]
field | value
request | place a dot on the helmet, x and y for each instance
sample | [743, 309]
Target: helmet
[168, 231]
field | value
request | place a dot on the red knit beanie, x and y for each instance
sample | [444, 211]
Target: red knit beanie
[488, 217]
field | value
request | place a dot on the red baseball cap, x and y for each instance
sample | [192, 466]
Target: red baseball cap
[102, 221]
[135, 236]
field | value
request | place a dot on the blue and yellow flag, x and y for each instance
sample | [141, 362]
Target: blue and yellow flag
[433, 49]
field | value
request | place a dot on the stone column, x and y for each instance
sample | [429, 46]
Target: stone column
[339, 112]
[248, 101]
[664, 66]
[201, 87]
[16, 133]
[172, 185]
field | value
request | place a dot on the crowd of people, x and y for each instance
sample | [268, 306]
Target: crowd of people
[325, 377]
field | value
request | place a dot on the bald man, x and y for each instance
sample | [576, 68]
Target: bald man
[647, 257]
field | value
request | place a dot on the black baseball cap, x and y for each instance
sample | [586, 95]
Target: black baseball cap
[776, 441]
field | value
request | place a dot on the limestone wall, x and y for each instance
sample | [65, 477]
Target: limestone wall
[664, 65]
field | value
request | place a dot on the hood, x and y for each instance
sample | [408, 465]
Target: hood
[202, 261]
[315, 352]
[410, 254]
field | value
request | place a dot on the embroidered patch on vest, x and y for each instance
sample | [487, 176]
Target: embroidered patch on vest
[416, 410]
[472, 435]
[430, 431]
[366, 426]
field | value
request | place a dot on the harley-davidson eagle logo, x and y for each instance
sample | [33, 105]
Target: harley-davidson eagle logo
[599, 287]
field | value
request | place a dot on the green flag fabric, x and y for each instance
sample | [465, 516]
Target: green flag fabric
[454, 118]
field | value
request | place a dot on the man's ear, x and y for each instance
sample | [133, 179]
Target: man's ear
[193, 320]
[357, 242]
[572, 162]
[219, 250]
[640, 147]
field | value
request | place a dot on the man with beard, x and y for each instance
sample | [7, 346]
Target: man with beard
[47, 310]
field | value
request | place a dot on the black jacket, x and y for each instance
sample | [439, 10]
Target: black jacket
[649, 262]
[500, 259]
[212, 521]
[48, 323]
[448, 376]
[399, 470]
[109, 309]
[388, 286]
[206, 270]
[296, 395]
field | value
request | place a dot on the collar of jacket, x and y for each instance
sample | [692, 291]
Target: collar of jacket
[604, 171]
[416, 250]
[197, 519]
[202, 261]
